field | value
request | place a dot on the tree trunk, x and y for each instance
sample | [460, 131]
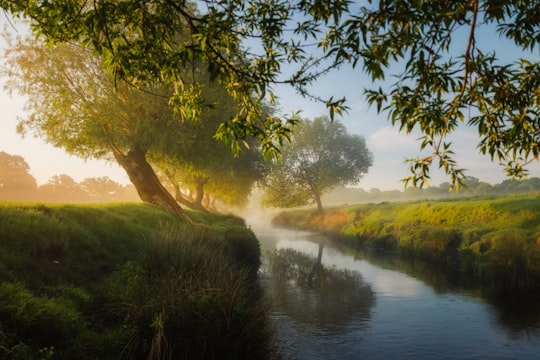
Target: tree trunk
[213, 203]
[190, 195]
[318, 200]
[177, 192]
[144, 179]
[199, 194]
[180, 197]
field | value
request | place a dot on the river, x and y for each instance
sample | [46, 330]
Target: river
[360, 310]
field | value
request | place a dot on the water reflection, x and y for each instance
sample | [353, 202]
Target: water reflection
[324, 308]
[325, 298]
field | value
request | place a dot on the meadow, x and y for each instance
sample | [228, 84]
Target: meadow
[493, 243]
[128, 281]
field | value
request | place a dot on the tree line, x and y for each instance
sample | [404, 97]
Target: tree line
[473, 187]
[16, 183]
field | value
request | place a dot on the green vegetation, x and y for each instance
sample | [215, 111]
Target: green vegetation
[494, 243]
[128, 281]
[431, 68]
[321, 155]
[73, 102]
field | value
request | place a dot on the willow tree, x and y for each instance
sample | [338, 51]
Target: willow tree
[445, 76]
[205, 167]
[74, 103]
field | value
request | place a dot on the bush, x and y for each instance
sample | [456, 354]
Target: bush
[44, 321]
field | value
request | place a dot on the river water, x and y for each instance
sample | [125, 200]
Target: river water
[359, 310]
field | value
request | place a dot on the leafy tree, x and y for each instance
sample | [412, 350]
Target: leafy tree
[62, 188]
[75, 104]
[141, 42]
[320, 156]
[445, 75]
[205, 166]
[101, 189]
[16, 182]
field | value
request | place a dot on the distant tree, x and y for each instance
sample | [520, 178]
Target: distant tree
[62, 188]
[483, 188]
[321, 155]
[16, 182]
[392, 195]
[471, 182]
[101, 189]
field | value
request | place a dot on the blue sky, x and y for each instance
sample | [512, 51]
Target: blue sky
[389, 147]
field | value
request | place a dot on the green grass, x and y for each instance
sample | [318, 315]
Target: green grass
[495, 242]
[127, 281]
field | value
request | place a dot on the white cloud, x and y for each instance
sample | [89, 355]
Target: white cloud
[389, 138]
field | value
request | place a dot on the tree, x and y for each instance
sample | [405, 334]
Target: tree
[16, 182]
[443, 79]
[141, 42]
[101, 189]
[204, 166]
[75, 104]
[321, 155]
[62, 188]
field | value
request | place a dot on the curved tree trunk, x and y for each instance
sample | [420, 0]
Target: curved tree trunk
[199, 194]
[178, 193]
[144, 179]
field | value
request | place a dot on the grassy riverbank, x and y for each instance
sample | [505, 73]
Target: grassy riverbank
[494, 243]
[127, 281]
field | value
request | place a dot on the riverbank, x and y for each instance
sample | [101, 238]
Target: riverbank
[128, 281]
[492, 243]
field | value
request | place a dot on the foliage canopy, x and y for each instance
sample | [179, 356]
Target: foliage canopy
[75, 104]
[320, 156]
[445, 74]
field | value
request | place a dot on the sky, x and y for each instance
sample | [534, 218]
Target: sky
[389, 147]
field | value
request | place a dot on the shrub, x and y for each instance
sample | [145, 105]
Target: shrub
[45, 321]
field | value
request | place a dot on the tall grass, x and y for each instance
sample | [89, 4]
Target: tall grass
[128, 281]
[187, 300]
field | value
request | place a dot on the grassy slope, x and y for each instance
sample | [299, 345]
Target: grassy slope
[494, 241]
[98, 281]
